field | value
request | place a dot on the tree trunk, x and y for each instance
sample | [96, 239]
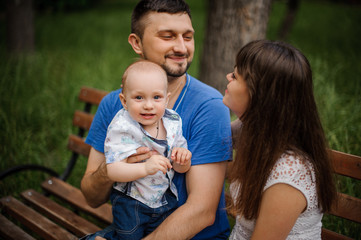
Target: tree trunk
[19, 26]
[287, 23]
[231, 25]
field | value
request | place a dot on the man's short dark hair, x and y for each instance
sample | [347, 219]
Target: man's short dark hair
[161, 6]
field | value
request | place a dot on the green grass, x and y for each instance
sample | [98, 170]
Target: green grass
[38, 93]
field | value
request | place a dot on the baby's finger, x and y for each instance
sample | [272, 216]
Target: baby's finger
[168, 164]
[174, 154]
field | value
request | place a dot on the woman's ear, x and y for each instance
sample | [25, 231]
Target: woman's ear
[136, 43]
[123, 101]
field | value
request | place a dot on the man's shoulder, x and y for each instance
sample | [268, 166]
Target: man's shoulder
[112, 96]
[203, 91]
[111, 102]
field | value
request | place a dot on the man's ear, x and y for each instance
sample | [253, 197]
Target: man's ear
[123, 101]
[136, 43]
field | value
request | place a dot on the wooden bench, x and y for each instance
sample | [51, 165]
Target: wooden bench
[61, 212]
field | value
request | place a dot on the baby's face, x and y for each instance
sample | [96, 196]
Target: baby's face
[146, 96]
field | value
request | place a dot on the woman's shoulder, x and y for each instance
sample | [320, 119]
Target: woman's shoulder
[292, 169]
[290, 162]
[296, 171]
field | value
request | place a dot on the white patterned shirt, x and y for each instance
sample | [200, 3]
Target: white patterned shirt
[298, 173]
[125, 135]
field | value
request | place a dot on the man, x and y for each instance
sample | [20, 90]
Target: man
[162, 32]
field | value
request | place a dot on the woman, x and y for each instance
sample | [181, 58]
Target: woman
[281, 179]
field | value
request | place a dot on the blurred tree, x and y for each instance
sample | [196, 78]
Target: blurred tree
[287, 23]
[231, 25]
[20, 26]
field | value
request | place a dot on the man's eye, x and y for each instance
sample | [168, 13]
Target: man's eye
[188, 37]
[166, 36]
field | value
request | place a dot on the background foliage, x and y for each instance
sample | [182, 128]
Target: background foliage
[87, 45]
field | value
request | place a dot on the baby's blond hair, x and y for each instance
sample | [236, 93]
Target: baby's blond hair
[141, 65]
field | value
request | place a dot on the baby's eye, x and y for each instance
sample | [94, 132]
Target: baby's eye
[157, 97]
[233, 76]
[138, 97]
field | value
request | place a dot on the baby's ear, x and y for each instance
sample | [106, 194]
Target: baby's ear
[122, 100]
[167, 98]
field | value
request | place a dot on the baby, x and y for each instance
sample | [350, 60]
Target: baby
[144, 194]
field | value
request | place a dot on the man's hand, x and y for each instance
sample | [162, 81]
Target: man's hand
[142, 154]
[95, 184]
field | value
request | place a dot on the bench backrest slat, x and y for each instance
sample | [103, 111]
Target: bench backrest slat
[348, 207]
[76, 144]
[91, 95]
[346, 164]
[82, 120]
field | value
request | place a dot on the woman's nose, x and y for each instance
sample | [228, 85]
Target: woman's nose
[229, 77]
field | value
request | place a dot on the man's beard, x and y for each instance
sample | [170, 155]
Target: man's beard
[176, 73]
[171, 72]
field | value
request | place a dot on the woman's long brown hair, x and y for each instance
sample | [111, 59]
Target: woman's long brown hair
[281, 116]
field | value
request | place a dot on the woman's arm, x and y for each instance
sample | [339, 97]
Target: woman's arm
[281, 205]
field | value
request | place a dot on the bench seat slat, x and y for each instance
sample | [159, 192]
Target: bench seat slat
[8, 230]
[91, 95]
[77, 145]
[34, 221]
[73, 196]
[59, 214]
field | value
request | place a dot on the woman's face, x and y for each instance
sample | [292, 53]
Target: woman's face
[236, 96]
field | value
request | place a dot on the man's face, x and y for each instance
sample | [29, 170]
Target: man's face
[168, 40]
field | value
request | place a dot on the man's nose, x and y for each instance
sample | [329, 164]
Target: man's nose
[179, 45]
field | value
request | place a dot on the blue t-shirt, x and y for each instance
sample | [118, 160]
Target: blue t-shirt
[206, 127]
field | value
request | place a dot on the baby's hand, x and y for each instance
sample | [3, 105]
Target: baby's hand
[181, 156]
[157, 163]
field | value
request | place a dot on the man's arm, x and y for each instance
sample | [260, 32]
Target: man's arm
[96, 185]
[204, 187]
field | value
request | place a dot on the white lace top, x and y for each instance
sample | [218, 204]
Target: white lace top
[300, 175]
